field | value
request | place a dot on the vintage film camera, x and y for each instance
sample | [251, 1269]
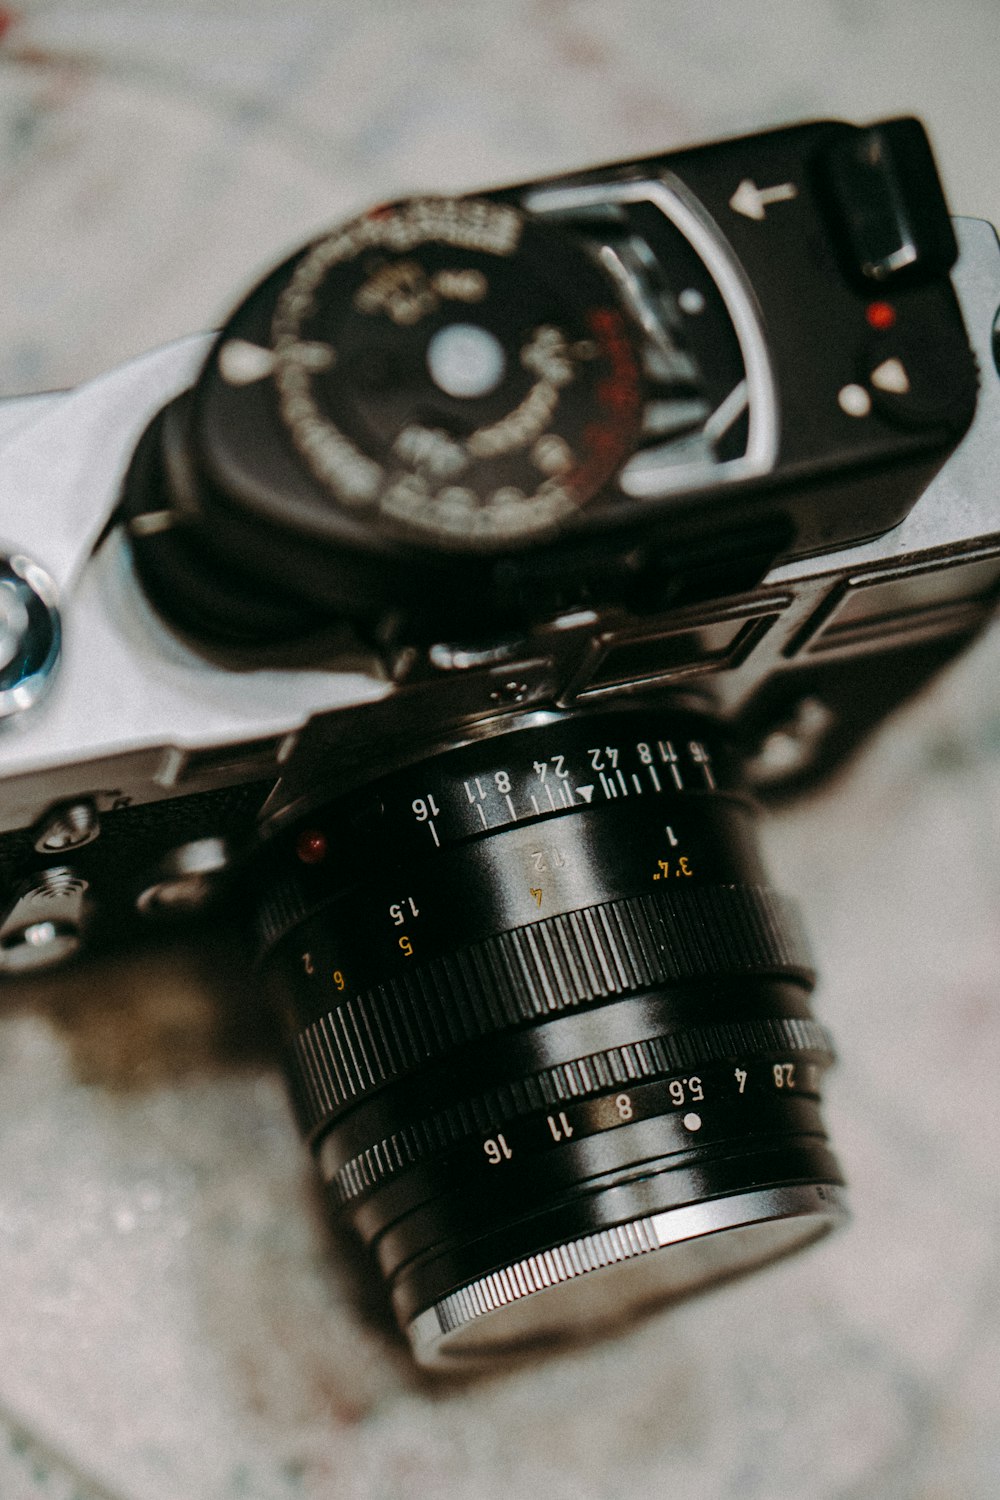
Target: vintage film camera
[447, 610]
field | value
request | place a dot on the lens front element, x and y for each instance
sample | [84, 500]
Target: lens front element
[549, 1030]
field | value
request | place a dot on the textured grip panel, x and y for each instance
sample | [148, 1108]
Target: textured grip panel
[565, 1083]
[551, 966]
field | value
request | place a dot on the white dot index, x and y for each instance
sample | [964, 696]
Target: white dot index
[692, 1121]
[691, 301]
[243, 363]
[854, 400]
[465, 360]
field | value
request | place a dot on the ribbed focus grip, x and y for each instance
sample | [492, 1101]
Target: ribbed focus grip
[595, 954]
[423, 1138]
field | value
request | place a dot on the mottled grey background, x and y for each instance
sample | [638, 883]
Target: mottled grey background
[175, 1322]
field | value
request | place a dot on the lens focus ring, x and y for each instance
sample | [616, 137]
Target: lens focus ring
[598, 953]
[658, 1059]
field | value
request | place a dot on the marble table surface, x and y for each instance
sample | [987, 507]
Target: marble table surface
[176, 1321]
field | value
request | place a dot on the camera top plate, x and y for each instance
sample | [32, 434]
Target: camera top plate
[480, 411]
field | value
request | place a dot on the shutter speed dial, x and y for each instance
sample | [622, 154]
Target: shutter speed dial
[448, 370]
[443, 419]
[400, 414]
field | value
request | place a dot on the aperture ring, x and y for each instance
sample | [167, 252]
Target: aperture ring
[652, 1060]
[529, 973]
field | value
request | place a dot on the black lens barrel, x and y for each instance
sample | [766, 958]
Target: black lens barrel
[536, 990]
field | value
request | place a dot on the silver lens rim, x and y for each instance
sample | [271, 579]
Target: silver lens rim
[484, 1321]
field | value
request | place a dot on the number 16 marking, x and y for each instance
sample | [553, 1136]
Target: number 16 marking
[497, 1151]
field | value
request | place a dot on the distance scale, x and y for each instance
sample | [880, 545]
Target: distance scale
[700, 1105]
[624, 768]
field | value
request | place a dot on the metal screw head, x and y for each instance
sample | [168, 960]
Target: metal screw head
[793, 744]
[29, 633]
[512, 692]
[187, 879]
[71, 825]
[43, 923]
[40, 945]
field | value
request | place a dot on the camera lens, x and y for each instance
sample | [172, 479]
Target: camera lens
[548, 1029]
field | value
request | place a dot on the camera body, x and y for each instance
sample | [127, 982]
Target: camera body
[447, 606]
[794, 575]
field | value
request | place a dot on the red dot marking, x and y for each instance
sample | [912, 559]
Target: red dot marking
[880, 315]
[310, 846]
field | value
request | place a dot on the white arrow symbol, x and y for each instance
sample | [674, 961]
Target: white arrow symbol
[586, 792]
[751, 201]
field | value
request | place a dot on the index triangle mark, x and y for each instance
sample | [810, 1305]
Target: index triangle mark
[891, 376]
